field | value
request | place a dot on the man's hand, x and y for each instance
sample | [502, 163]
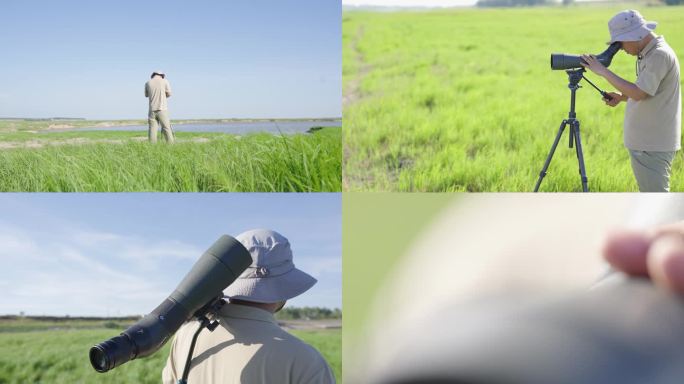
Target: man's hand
[616, 99]
[658, 254]
[594, 65]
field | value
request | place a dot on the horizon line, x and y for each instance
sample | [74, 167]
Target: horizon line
[85, 317]
[179, 118]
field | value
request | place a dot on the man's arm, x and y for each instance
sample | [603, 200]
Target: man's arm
[628, 89]
[146, 93]
[168, 89]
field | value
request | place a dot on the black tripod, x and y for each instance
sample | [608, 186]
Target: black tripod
[202, 315]
[574, 77]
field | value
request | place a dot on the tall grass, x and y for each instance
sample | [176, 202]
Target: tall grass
[61, 357]
[257, 162]
[464, 100]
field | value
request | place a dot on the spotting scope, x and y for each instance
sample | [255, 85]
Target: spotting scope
[218, 267]
[568, 61]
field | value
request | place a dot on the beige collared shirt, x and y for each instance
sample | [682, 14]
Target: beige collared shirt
[247, 347]
[654, 123]
[157, 90]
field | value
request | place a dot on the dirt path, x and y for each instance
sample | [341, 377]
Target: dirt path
[311, 325]
[82, 141]
[352, 93]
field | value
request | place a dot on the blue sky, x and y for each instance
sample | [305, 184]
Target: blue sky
[238, 58]
[122, 254]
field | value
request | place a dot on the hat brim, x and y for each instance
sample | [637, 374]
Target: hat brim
[635, 35]
[271, 289]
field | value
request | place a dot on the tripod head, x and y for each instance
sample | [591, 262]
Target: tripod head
[574, 77]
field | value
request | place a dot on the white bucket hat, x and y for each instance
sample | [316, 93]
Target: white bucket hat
[629, 25]
[272, 276]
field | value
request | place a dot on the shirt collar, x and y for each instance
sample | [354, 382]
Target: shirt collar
[246, 312]
[651, 44]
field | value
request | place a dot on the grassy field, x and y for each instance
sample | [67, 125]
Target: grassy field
[198, 162]
[464, 100]
[46, 355]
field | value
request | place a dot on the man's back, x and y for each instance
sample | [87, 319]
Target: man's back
[248, 347]
[157, 90]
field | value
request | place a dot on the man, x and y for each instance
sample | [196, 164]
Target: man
[157, 90]
[248, 346]
[652, 127]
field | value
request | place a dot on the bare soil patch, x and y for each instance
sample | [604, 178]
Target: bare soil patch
[82, 141]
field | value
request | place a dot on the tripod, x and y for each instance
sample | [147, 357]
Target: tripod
[202, 315]
[574, 77]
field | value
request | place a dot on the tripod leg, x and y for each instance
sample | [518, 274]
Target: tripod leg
[550, 156]
[580, 157]
[571, 136]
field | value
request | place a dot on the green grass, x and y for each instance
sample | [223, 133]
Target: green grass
[374, 240]
[61, 356]
[329, 344]
[464, 100]
[254, 162]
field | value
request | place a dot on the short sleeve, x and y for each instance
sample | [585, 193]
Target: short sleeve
[168, 87]
[654, 70]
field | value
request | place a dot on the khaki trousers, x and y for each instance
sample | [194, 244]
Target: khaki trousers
[156, 118]
[652, 170]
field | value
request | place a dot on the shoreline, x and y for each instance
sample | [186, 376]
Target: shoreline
[15, 125]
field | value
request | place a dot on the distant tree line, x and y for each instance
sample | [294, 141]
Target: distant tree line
[531, 3]
[23, 316]
[510, 3]
[287, 313]
[308, 313]
[42, 119]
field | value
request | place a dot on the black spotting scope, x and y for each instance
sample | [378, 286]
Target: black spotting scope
[566, 61]
[218, 267]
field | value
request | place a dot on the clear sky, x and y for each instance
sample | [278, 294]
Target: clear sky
[122, 254]
[238, 58]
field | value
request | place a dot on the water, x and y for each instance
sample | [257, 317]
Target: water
[237, 128]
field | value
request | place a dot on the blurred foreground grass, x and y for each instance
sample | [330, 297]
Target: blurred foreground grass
[378, 229]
